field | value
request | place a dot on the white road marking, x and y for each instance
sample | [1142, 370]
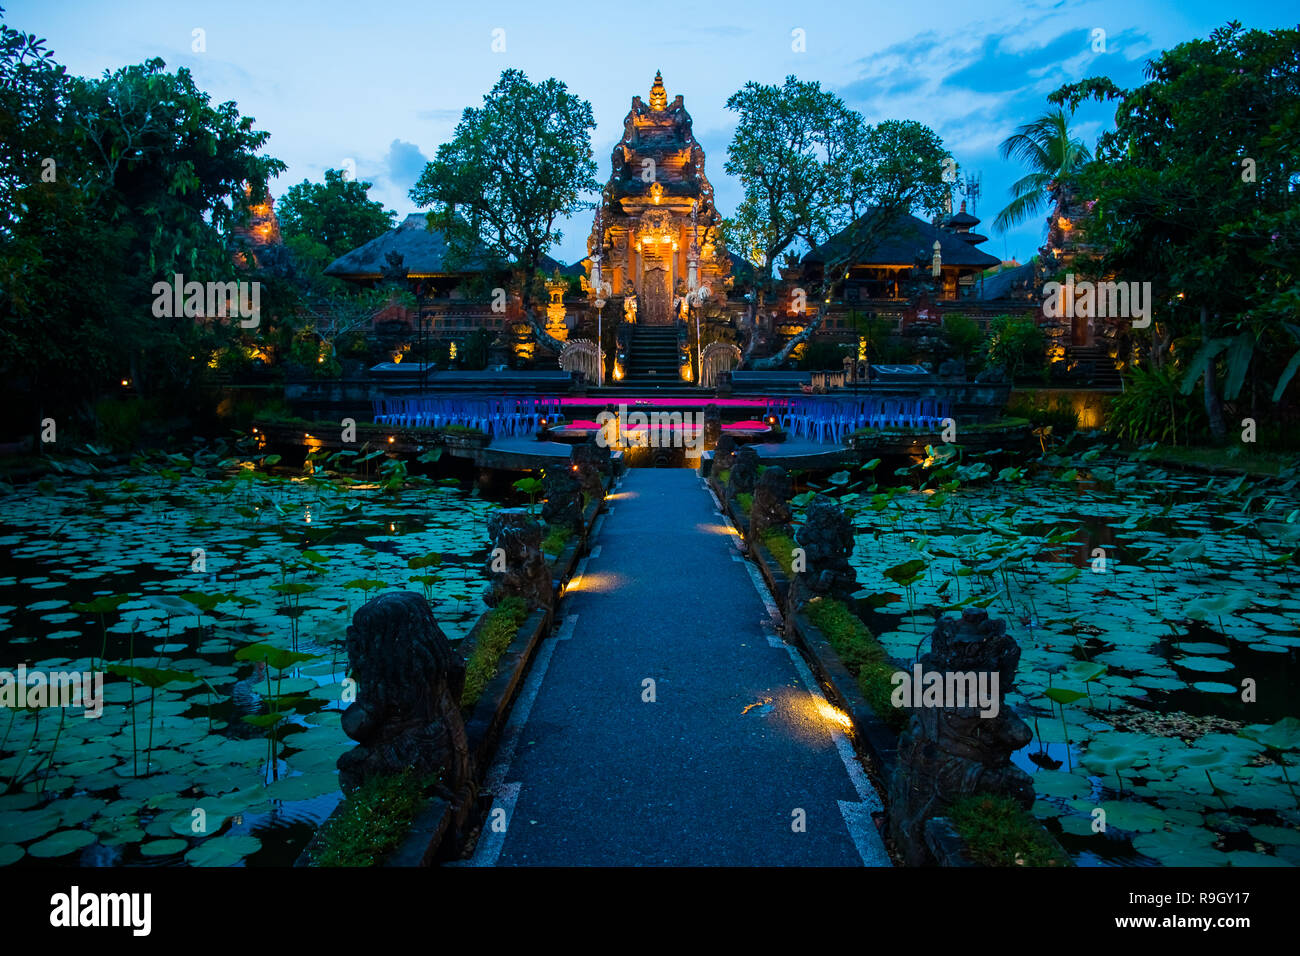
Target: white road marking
[506, 795]
[490, 841]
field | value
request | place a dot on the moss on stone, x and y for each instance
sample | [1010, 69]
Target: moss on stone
[372, 820]
[998, 832]
[556, 538]
[494, 636]
[862, 654]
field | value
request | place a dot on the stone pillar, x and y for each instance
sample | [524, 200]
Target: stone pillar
[407, 711]
[947, 752]
[516, 565]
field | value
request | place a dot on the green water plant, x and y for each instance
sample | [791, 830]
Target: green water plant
[154, 678]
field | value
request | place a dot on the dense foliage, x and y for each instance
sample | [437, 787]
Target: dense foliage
[1196, 192]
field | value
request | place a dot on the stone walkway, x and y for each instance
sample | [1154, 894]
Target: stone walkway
[729, 757]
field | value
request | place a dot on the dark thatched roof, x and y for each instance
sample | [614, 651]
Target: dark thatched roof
[909, 238]
[424, 253]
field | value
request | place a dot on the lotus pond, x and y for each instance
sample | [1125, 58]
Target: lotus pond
[215, 593]
[1158, 620]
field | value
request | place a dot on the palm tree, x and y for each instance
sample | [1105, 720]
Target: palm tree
[1047, 147]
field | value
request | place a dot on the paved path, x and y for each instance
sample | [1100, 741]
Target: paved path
[712, 771]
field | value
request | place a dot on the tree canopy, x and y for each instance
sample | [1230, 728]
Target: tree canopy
[322, 221]
[111, 185]
[1196, 191]
[810, 167]
[513, 168]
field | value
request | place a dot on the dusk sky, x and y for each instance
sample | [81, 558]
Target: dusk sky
[383, 84]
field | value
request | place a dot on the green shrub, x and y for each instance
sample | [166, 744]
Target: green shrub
[781, 546]
[999, 833]
[372, 820]
[963, 337]
[118, 421]
[1152, 407]
[862, 655]
[556, 538]
[1056, 412]
[494, 636]
[746, 502]
[1018, 345]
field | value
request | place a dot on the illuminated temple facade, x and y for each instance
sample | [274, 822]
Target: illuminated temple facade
[656, 229]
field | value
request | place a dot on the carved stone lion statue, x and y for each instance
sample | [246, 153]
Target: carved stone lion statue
[407, 710]
[771, 504]
[826, 537]
[516, 565]
[948, 752]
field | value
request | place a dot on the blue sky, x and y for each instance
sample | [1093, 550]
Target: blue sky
[384, 83]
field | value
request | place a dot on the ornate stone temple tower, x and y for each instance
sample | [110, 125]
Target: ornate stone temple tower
[656, 227]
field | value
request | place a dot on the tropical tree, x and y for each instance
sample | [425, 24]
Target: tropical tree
[1052, 153]
[1197, 192]
[513, 169]
[110, 185]
[322, 221]
[810, 167]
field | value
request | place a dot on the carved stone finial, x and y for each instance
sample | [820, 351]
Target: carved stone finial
[409, 682]
[948, 751]
[658, 95]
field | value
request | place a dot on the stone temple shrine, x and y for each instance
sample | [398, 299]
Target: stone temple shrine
[656, 228]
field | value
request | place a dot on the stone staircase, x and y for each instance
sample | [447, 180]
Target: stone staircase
[1094, 367]
[652, 358]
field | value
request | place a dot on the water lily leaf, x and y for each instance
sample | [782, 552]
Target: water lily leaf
[304, 786]
[10, 854]
[1085, 670]
[163, 847]
[1283, 735]
[275, 657]
[62, 843]
[1063, 695]
[1206, 664]
[1213, 687]
[1132, 815]
[1048, 783]
[104, 604]
[152, 676]
[223, 851]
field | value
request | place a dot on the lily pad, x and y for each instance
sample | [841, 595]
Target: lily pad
[163, 847]
[223, 851]
[1204, 664]
[62, 843]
